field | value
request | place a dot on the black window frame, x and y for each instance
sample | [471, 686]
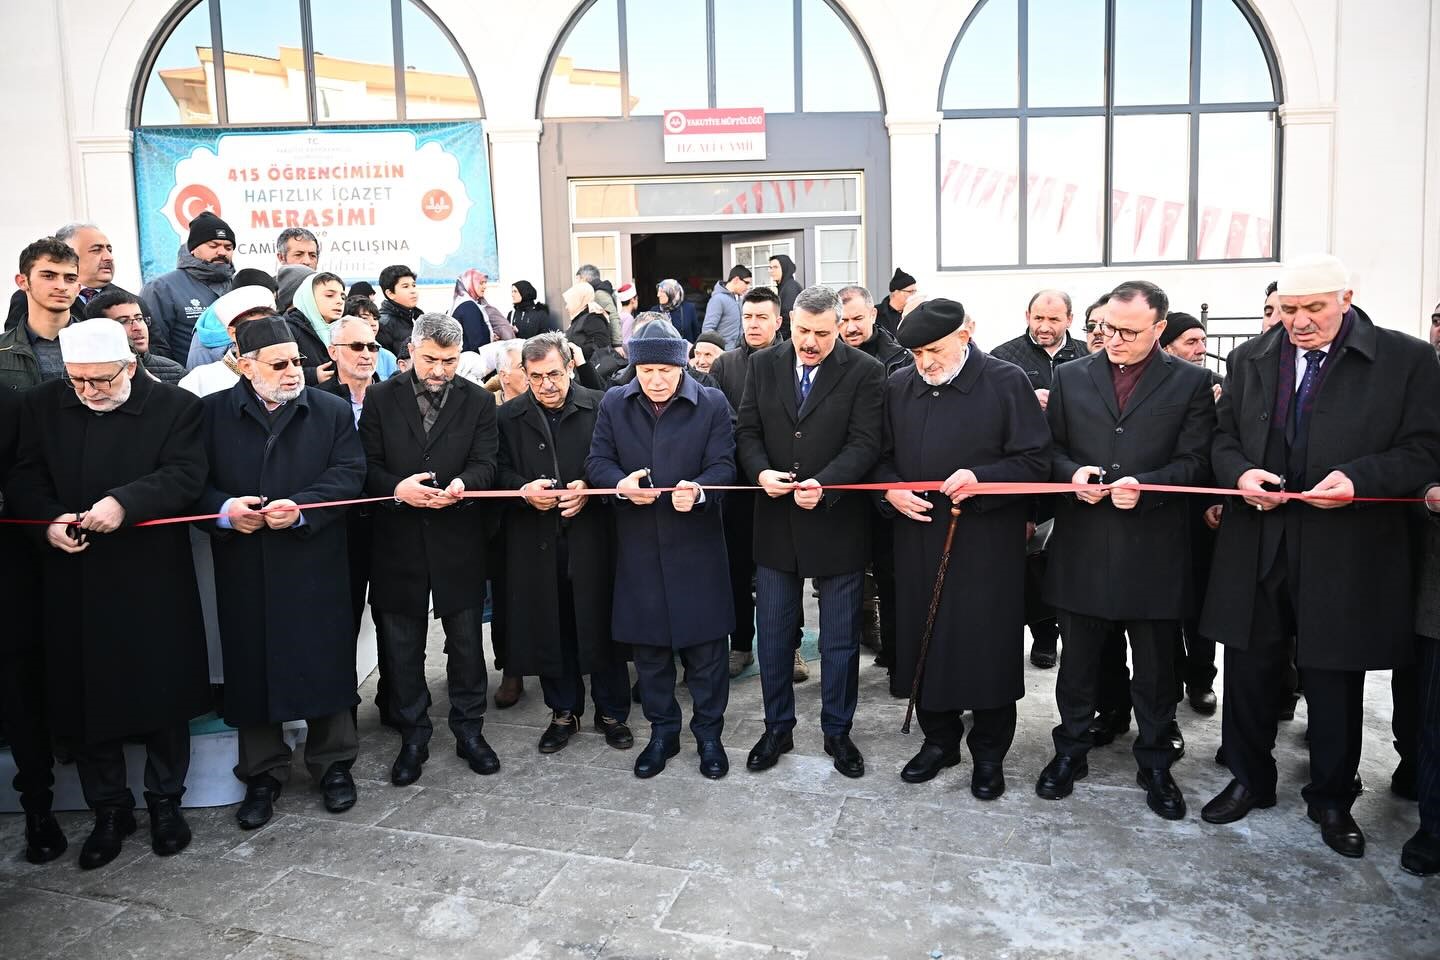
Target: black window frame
[182, 10]
[1195, 108]
[621, 20]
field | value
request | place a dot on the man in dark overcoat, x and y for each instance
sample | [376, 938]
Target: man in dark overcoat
[966, 417]
[429, 436]
[559, 549]
[810, 418]
[1120, 558]
[1421, 853]
[672, 584]
[101, 451]
[280, 575]
[1328, 404]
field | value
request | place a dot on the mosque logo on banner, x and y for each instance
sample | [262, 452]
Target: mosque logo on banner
[373, 197]
[725, 134]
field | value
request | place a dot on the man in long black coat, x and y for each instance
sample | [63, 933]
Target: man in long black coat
[428, 436]
[1329, 404]
[966, 417]
[281, 583]
[99, 454]
[1118, 557]
[810, 418]
[559, 550]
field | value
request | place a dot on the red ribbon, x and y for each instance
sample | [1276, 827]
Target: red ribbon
[918, 486]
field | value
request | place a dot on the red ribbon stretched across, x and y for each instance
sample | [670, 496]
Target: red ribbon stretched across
[918, 486]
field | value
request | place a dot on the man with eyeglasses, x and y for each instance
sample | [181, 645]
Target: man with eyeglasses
[355, 351]
[428, 437]
[101, 451]
[275, 446]
[722, 313]
[1120, 558]
[125, 309]
[559, 549]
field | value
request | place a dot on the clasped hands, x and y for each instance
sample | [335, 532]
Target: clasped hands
[1335, 490]
[911, 505]
[414, 491]
[542, 495]
[683, 498]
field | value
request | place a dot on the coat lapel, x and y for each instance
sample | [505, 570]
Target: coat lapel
[1100, 377]
[831, 372]
[409, 406]
[448, 412]
[1156, 372]
[784, 360]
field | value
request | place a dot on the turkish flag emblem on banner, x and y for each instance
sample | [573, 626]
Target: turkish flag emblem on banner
[1207, 223]
[1235, 241]
[1262, 232]
[1117, 202]
[1144, 206]
[1169, 218]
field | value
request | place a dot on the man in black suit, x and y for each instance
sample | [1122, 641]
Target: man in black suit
[810, 418]
[1119, 558]
[1330, 405]
[429, 436]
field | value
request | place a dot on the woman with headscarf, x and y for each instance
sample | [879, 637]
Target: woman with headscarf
[528, 317]
[481, 322]
[680, 313]
[782, 274]
[319, 301]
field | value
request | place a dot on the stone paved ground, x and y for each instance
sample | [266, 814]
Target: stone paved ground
[570, 856]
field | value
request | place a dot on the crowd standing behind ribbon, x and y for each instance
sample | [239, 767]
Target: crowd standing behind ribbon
[249, 405]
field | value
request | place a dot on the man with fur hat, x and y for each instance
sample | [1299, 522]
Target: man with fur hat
[203, 271]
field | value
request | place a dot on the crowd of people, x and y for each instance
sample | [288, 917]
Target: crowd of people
[248, 404]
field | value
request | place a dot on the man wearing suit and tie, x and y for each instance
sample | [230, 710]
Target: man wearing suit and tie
[1120, 558]
[810, 418]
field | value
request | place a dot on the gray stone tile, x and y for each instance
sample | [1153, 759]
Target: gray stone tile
[374, 801]
[140, 934]
[944, 828]
[568, 827]
[189, 885]
[266, 947]
[619, 891]
[38, 922]
[645, 942]
[417, 861]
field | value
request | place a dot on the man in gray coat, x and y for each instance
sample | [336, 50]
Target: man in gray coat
[203, 271]
[722, 313]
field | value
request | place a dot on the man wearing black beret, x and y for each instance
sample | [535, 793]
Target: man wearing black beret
[968, 418]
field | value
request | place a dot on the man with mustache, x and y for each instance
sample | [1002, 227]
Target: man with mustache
[203, 272]
[97, 270]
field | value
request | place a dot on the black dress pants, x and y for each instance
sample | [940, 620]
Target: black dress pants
[565, 691]
[103, 777]
[1251, 709]
[990, 737]
[1427, 769]
[1152, 688]
[402, 640]
[22, 718]
[707, 676]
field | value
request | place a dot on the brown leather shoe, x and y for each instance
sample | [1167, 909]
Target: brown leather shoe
[510, 692]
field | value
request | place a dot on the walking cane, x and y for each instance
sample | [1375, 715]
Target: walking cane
[930, 618]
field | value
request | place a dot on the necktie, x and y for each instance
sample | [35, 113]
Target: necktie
[806, 372]
[87, 294]
[1303, 396]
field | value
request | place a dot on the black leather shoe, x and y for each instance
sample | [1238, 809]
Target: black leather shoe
[926, 764]
[1233, 803]
[766, 752]
[563, 726]
[112, 826]
[1176, 738]
[617, 734]
[169, 833]
[1204, 701]
[1059, 776]
[1339, 830]
[652, 759]
[847, 756]
[1421, 854]
[1402, 781]
[987, 780]
[259, 804]
[476, 752]
[44, 840]
[714, 764]
[1109, 725]
[1043, 655]
[1162, 794]
[1220, 755]
[406, 768]
[338, 789]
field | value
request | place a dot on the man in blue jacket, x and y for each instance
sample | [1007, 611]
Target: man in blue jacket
[722, 313]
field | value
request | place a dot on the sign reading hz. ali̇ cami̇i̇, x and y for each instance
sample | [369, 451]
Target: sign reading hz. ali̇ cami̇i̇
[724, 134]
[417, 195]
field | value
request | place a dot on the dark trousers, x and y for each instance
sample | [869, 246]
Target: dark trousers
[1427, 779]
[1405, 700]
[882, 569]
[707, 675]
[22, 718]
[1197, 667]
[499, 604]
[609, 686]
[359, 533]
[739, 520]
[1115, 672]
[1251, 709]
[1152, 688]
[329, 741]
[103, 778]
[777, 602]
[402, 640]
[991, 733]
[1039, 616]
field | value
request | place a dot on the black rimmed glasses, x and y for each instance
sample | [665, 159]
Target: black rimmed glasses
[99, 383]
[1107, 331]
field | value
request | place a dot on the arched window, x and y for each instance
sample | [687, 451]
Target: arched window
[1094, 132]
[623, 58]
[305, 62]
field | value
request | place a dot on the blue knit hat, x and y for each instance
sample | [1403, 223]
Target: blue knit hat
[657, 342]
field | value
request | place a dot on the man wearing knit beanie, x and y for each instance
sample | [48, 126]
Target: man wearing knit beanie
[890, 310]
[203, 272]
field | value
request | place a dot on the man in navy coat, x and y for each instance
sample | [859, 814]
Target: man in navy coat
[672, 583]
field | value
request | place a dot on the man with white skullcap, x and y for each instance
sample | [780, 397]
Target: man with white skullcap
[1327, 404]
[102, 451]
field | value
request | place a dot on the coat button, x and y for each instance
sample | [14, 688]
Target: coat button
[427, 458]
[934, 393]
[1114, 466]
[542, 446]
[544, 545]
[1119, 429]
[1264, 416]
[798, 434]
